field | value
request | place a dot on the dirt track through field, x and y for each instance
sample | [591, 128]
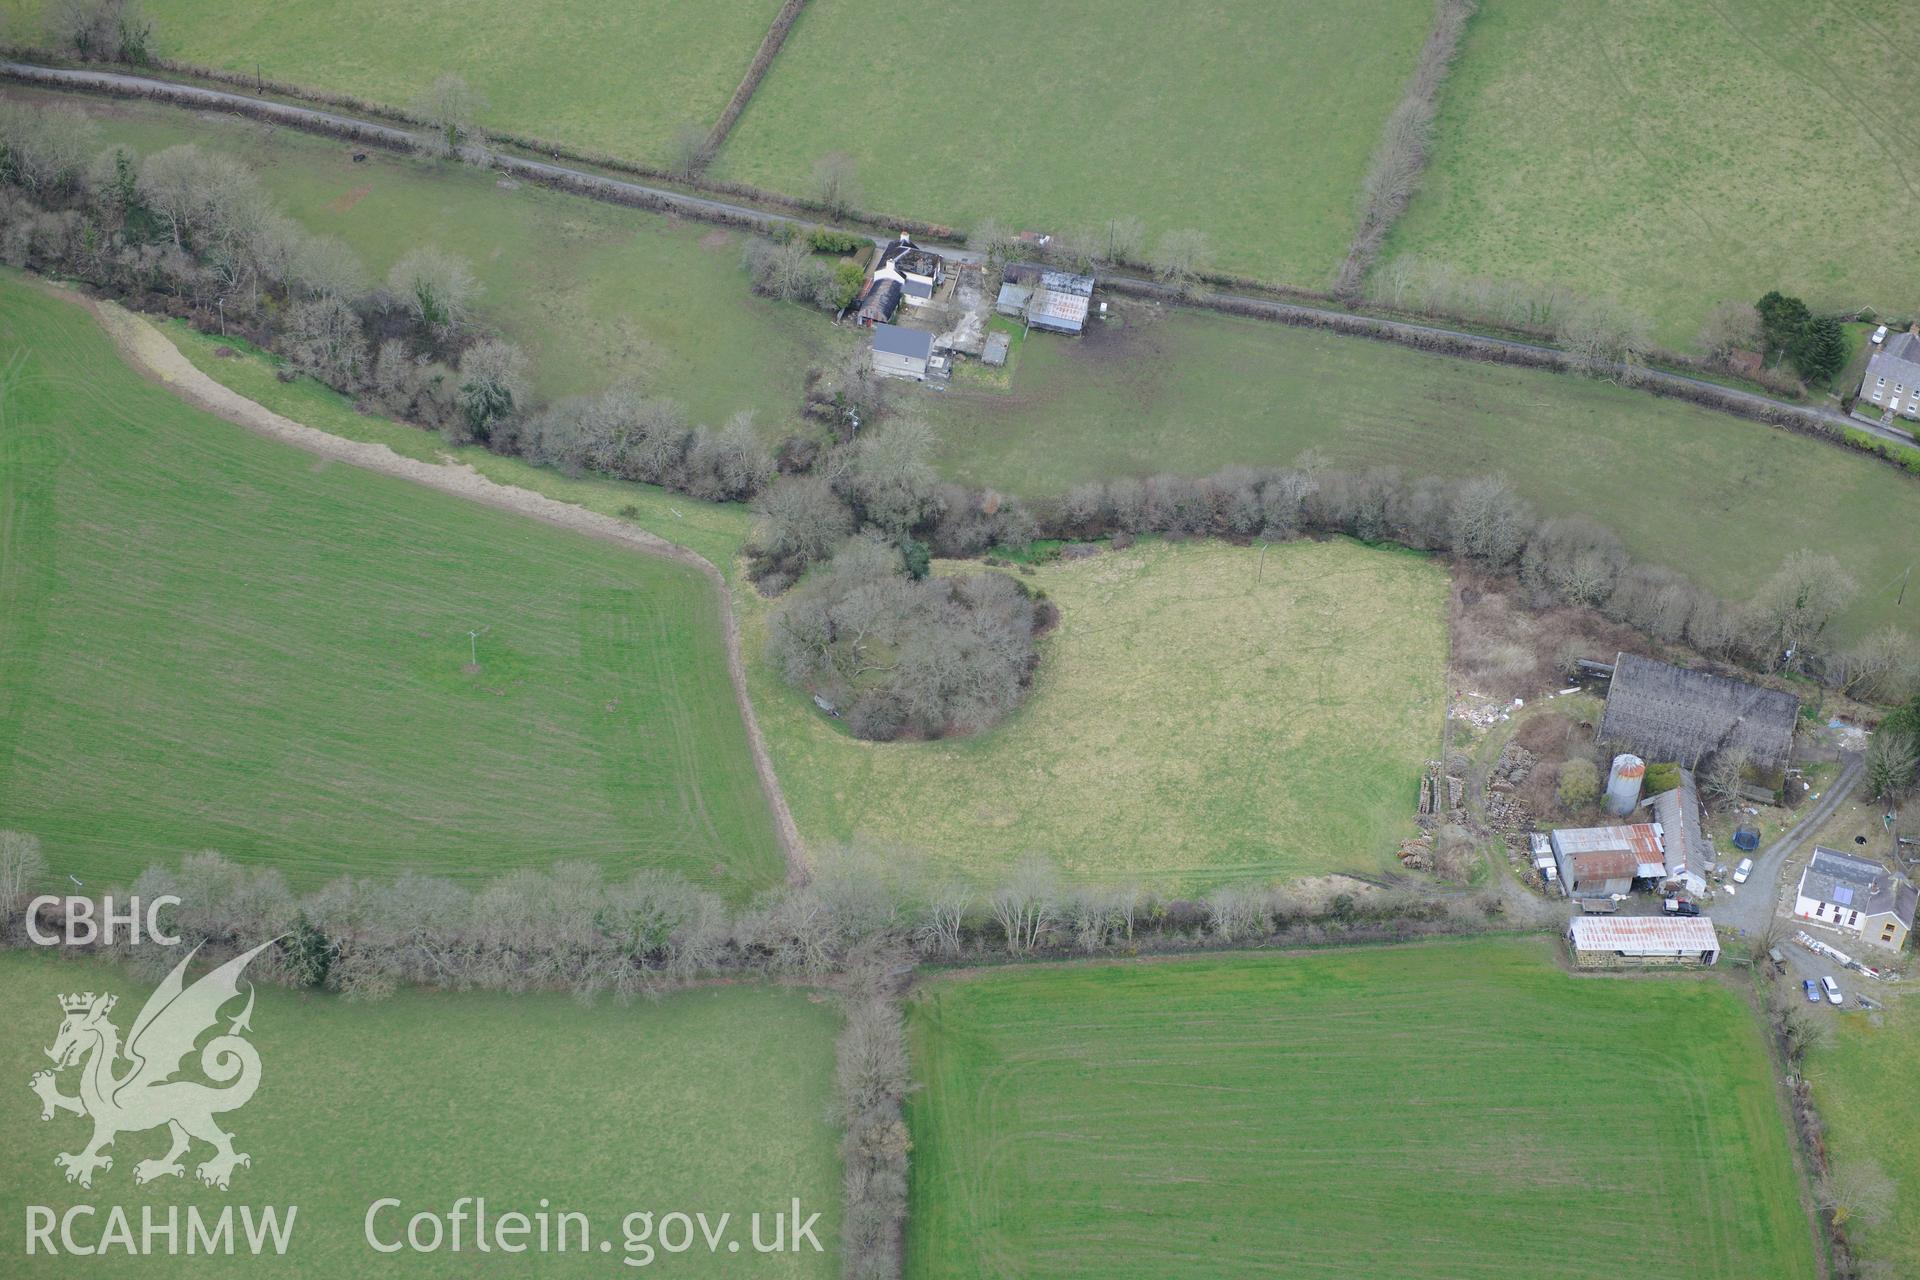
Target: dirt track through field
[148, 350]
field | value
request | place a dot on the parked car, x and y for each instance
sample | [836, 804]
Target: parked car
[1741, 872]
[1682, 907]
[1879, 335]
[1833, 990]
[1813, 991]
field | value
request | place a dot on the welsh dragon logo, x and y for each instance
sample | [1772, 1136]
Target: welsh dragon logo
[145, 1094]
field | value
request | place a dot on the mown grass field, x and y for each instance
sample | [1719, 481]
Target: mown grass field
[1720, 498]
[1199, 716]
[1860, 1083]
[1458, 1109]
[615, 78]
[1250, 120]
[595, 293]
[211, 640]
[1673, 154]
[711, 1100]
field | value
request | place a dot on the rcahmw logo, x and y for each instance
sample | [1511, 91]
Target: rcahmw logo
[80, 927]
[146, 1094]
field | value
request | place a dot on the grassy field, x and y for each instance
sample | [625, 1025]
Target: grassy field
[616, 78]
[1861, 1085]
[1461, 1109]
[213, 640]
[1673, 154]
[1199, 716]
[596, 294]
[710, 1100]
[1250, 120]
[1723, 499]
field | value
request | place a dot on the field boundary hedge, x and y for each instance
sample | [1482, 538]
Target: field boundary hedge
[770, 47]
[1406, 144]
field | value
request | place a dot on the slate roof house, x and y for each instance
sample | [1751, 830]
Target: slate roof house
[918, 270]
[1663, 712]
[901, 353]
[1861, 896]
[1893, 375]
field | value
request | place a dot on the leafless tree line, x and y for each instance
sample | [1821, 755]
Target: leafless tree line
[1393, 175]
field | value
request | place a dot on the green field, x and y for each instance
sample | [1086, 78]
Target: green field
[1673, 154]
[1460, 1109]
[615, 78]
[706, 1101]
[595, 293]
[1248, 119]
[212, 640]
[1861, 1086]
[1197, 717]
[1720, 498]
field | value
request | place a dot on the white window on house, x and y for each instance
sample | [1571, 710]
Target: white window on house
[1878, 394]
[1881, 383]
[1853, 919]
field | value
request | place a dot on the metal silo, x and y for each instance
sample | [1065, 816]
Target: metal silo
[1623, 784]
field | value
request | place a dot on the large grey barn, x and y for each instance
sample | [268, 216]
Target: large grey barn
[1663, 712]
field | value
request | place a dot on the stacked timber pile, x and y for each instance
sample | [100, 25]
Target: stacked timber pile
[1507, 812]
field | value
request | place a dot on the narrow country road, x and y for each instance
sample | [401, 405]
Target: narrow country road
[1753, 905]
[150, 352]
[621, 191]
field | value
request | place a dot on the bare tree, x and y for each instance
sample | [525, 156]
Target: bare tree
[688, 150]
[1893, 765]
[1181, 256]
[1026, 906]
[1858, 1190]
[102, 30]
[323, 338]
[437, 288]
[1731, 326]
[801, 520]
[1488, 522]
[21, 866]
[836, 182]
[45, 151]
[450, 107]
[943, 917]
[1604, 340]
[1794, 607]
[325, 267]
[1724, 775]
[493, 385]
[992, 241]
[893, 477]
[1883, 665]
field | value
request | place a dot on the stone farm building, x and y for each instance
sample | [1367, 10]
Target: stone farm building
[1663, 712]
[1599, 942]
[900, 352]
[1857, 895]
[1595, 862]
[1893, 375]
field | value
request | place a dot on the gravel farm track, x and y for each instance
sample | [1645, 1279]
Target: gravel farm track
[621, 191]
[147, 349]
